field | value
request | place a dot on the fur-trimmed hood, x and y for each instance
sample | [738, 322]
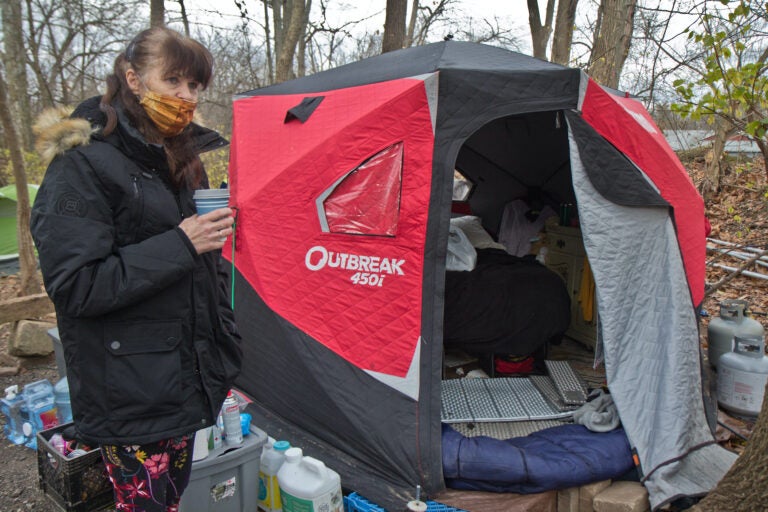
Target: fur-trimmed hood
[62, 128]
[57, 132]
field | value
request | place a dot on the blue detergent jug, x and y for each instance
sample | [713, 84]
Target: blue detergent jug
[41, 404]
[61, 399]
[12, 405]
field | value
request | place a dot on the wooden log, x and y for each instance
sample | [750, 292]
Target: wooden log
[22, 308]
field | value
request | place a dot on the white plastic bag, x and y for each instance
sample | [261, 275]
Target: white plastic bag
[460, 255]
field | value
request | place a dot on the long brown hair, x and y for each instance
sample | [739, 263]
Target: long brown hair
[175, 52]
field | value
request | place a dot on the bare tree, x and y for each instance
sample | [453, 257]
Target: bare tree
[611, 40]
[427, 18]
[292, 18]
[27, 261]
[412, 23]
[184, 18]
[70, 45]
[394, 25]
[13, 43]
[301, 63]
[563, 36]
[540, 32]
[156, 13]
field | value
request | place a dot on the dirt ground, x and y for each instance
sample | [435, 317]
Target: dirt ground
[738, 214]
[19, 491]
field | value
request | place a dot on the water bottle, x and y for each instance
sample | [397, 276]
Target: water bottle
[63, 405]
[12, 406]
[272, 459]
[230, 414]
[41, 404]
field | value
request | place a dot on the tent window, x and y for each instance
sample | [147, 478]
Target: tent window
[461, 186]
[367, 200]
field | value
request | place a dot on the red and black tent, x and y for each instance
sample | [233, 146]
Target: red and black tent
[343, 181]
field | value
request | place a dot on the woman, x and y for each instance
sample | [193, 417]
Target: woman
[135, 274]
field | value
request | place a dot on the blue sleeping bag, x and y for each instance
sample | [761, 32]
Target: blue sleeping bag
[555, 458]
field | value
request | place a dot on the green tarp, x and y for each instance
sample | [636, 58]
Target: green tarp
[9, 245]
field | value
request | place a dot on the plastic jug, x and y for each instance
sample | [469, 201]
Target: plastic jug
[272, 459]
[41, 404]
[307, 485]
[733, 321]
[12, 405]
[61, 399]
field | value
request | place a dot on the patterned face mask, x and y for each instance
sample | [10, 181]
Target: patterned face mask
[171, 115]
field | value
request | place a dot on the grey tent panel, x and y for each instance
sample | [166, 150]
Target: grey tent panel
[610, 172]
[635, 259]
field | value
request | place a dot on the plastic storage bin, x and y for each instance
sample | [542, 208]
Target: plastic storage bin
[228, 479]
[58, 350]
[79, 484]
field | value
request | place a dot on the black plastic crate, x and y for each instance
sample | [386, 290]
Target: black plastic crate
[79, 484]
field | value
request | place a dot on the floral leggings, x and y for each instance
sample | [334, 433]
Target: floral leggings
[149, 477]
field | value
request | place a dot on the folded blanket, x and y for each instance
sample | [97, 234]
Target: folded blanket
[554, 458]
[599, 414]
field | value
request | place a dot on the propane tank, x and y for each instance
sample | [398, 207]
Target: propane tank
[742, 376]
[733, 321]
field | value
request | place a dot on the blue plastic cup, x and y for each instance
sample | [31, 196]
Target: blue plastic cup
[207, 200]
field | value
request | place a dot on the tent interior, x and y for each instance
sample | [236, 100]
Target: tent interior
[521, 160]
[514, 157]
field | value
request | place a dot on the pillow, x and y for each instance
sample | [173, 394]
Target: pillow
[478, 236]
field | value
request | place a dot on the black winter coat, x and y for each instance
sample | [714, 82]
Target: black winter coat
[149, 338]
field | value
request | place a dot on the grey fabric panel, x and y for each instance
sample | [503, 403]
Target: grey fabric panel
[649, 334]
[692, 476]
[612, 174]
[481, 62]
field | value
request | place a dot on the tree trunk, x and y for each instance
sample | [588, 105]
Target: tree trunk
[270, 68]
[27, 261]
[301, 65]
[743, 486]
[540, 33]
[16, 70]
[612, 39]
[184, 18]
[412, 24]
[563, 37]
[294, 27]
[394, 26]
[713, 169]
[156, 13]
[763, 146]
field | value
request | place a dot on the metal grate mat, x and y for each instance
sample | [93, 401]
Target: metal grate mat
[505, 429]
[547, 388]
[499, 399]
[569, 385]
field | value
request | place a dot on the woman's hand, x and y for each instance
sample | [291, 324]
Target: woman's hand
[208, 232]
